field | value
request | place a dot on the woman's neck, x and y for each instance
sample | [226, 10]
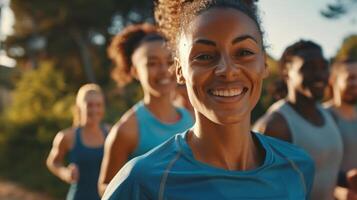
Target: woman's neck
[306, 107]
[299, 100]
[162, 108]
[229, 147]
[91, 127]
[346, 111]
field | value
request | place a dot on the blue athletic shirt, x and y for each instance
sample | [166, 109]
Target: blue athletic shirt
[170, 172]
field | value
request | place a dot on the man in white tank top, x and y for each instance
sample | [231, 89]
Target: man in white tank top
[299, 118]
[343, 82]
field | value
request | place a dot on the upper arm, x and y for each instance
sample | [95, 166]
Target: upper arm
[120, 143]
[60, 147]
[274, 125]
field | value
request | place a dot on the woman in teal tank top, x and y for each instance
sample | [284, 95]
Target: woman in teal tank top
[139, 52]
[83, 145]
[221, 59]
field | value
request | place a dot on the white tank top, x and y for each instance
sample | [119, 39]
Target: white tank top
[323, 143]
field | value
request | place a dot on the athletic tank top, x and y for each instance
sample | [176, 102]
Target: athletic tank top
[88, 161]
[348, 131]
[323, 143]
[153, 132]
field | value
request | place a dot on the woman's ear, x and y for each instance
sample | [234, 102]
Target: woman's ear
[179, 76]
[266, 67]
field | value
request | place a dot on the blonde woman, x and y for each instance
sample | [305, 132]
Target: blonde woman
[83, 144]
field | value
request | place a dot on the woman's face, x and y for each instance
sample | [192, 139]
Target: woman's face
[152, 61]
[222, 62]
[92, 107]
[308, 74]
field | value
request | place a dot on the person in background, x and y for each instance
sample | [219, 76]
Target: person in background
[300, 119]
[140, 53]
[82, 144]
[342, 106]
[221, 60]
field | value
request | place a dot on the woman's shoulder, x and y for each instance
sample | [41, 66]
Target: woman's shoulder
[128, 120]
[126, 127]
[66, 137]
[142, 172]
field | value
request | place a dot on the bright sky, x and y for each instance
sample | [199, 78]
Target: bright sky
[7, 19]
[287, 21]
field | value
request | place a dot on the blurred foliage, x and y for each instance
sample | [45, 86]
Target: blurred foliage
[38, 91]
[348, 48]
[339, 8]
[74, 34]
[56, 46]
[41, 106]
[8, 77]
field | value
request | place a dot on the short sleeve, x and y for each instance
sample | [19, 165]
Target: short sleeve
[124, 185]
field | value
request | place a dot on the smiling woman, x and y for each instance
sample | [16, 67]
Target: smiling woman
[220, 58]
[83, 144]
[140, 53]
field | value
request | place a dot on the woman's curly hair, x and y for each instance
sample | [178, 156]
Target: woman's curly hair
[173, 16]
[123, 46]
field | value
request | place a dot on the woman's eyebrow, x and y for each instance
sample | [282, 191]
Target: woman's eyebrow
[205, 42]
[242, 38]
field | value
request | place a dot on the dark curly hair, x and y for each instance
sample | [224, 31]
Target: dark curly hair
[295, 50]
[173, 16]
[123, 46]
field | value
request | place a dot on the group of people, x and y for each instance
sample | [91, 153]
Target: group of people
[201, 70]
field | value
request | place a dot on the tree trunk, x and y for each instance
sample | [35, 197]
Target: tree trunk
[85, 55]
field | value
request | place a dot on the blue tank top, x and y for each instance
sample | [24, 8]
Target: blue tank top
[170, 171]
[88, 160]
[153, 132]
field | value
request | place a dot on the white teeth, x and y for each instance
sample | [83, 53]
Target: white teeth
[227, 92]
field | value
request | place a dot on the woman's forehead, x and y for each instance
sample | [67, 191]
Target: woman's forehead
[93, 95]
[218, 23]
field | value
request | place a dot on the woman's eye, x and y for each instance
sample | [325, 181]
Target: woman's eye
[151, 64]
[244, 52]
[203, 57]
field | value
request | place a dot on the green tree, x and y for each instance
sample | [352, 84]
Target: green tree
[41, 106]
[339, 8]
[72, 33]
